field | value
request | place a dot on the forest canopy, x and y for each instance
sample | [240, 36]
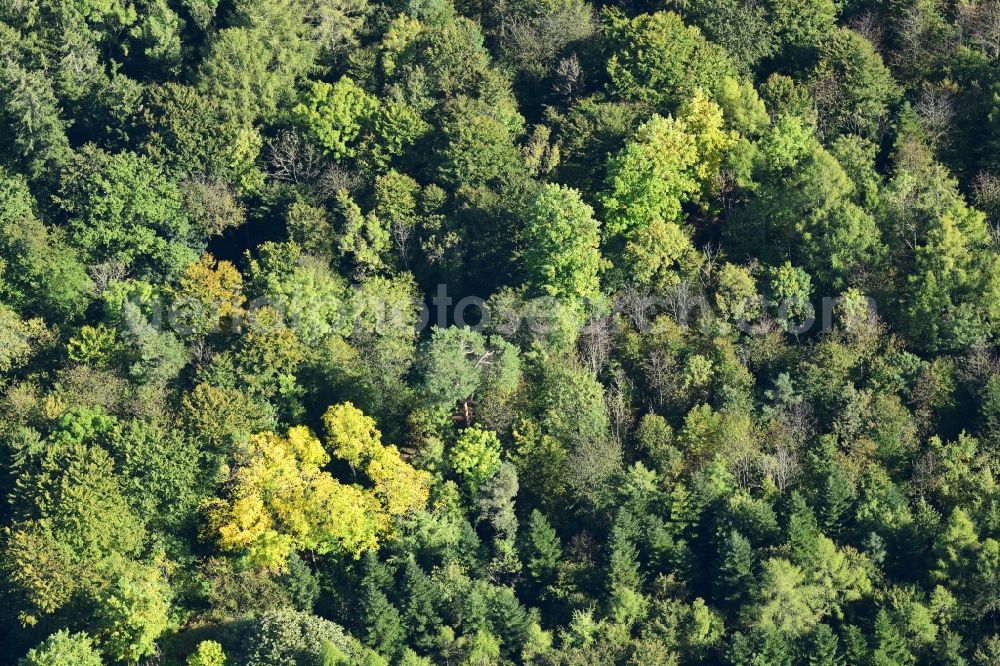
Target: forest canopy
[525, 332]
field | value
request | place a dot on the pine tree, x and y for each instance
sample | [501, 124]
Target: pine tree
[623, 564]
[956, 548]
[627, 603]
[856, 649]
[835, 499]
[419, 615]
[824, 647]
[891, 647]
[803, 532]
[383, 628]
[542, 550]
[683, 512]
[774, 651]
[379, 624]
[735, 567]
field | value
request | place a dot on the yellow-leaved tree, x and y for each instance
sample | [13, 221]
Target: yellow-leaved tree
[209, 295]
[280, 499]
[353, 437]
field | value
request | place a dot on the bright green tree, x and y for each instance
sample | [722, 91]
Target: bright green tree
[313, 301]
[807, 209]
[335, 115]
[208, 653]
[648, 183]
[788, 603]
[133, 612]
[475, 457]
[790, 292]
[736, 294]
[802, 23]
[363, 237]
[73, 525]
[63, 649]
[41, 273]
[252, 67]
[121, 208]
[562, 256]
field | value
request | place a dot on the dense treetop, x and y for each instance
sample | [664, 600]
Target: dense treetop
[542, 332]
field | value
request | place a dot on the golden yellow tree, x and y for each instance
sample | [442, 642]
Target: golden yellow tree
[354, 438]
[280, 501]
[209, 294]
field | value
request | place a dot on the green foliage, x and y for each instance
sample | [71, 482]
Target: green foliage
[73, 523]
[648, 182]
[19, 339]
[788, 604]
[121, 209]
[63, 649]
[160, 469]
[312, 301]
[802, 23]
[736, 296]
[335, 115]
[478, 142]
[809, 205]
[132, 614]
[823, 645]
[252, 67]
[363, 237]
[458, 361]
[383, 626]
[658, 60]
[289, 638]
[865, 89]
[542, 549]
[949, 273]
[735, 566]
[475, 457]
[651, 177]
[562, 256]
[41, 273]
[743, 29]
[189, 131]
[35, 135]
[159, 35]
[208, 653]
[731, 396]
[573, 413]
[790, 292]
[669, 163]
